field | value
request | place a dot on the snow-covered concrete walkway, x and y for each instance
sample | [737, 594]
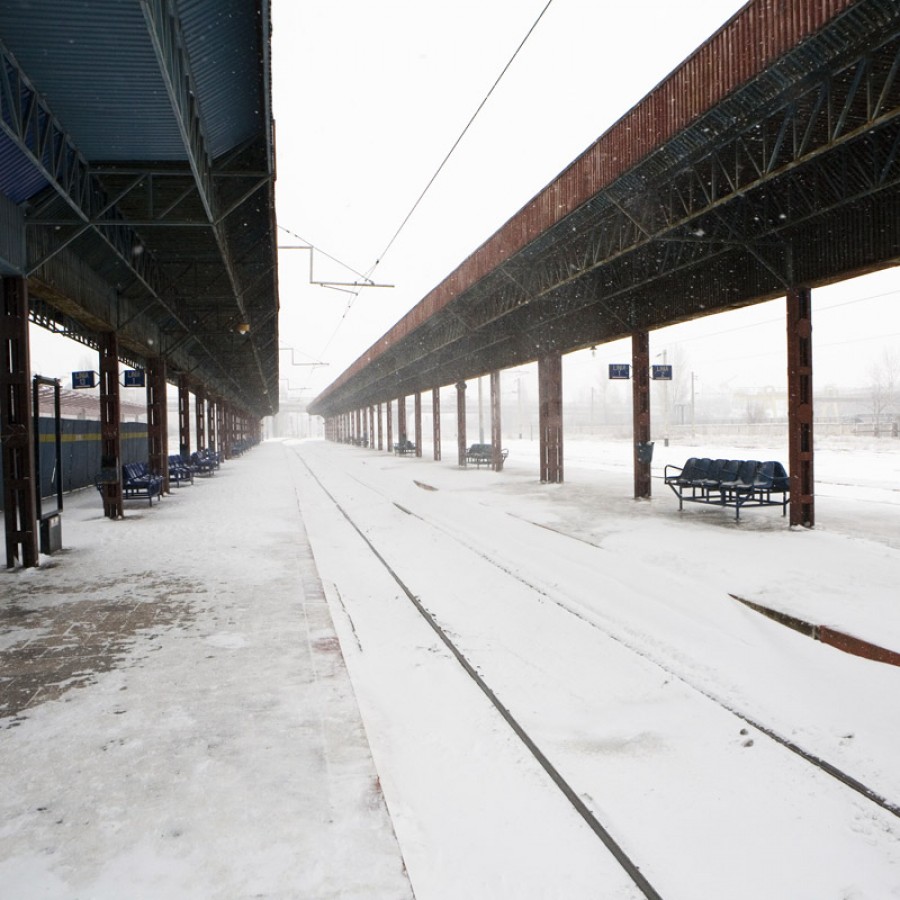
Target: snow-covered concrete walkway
[176, 720]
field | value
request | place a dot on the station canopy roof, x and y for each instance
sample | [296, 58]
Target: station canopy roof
[137, 182]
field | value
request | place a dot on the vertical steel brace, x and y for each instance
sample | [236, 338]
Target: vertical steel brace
[157, 425]
[110, 441]
[200, 424]
[417, 417]
[496, 432]
[184, 417]
[461, 422]
[640, 394]
[800, 407]
[17, 427]
[401, 420]
[436, 422]
[550, 423]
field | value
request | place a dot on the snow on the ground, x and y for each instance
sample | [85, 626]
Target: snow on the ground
[220, 755]
[614, 650]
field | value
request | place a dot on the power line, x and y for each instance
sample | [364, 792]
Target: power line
[458, 140]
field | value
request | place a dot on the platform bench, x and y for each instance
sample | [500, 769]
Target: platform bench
[735, 483]
[180, 471]
[404, 448]
[483, 454]
[137, 482]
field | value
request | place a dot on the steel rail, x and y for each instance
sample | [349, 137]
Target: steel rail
[624, 860]
[829, 768]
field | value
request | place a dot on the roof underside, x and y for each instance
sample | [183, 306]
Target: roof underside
[137, 169]
[770, 159]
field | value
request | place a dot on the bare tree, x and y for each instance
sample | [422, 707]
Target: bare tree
[884, 387]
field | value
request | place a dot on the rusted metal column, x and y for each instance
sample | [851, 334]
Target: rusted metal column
[372, 426]
[110, 441]
[380, 431]
[184, 417]
[550, 425]
[461, 423]
[200, 409]
[17, 427]
[157, 424]
[640, 394]
[227, 422]
[401, 420]
[220, 429]
[390, 427]
[417, 418]
[800, 407]
[211, 423]
[496, 431]
[436, 422]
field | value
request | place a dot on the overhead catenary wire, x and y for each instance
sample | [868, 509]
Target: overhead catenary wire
[311, 246]
[457, 142]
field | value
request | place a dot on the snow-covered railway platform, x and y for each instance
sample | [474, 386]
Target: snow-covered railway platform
[234, 694]
[176, 719]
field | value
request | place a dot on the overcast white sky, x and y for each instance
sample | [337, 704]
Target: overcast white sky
[369, 97]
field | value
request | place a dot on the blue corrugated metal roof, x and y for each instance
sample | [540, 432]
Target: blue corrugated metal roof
[94, 63]
[19, 180]
[95, 69]
[222, 43]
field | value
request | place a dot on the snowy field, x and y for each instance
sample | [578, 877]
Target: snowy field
[219, 756]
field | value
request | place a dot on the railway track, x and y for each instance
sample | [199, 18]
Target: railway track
[568, 788]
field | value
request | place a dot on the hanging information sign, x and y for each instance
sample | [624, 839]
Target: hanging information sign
[83, 380]
[621, 371]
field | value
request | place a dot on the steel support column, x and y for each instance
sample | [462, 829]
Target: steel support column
[200, 424]
[417, 421]
[380, 429]
[401, 420]
[228, 423]
[800, 406]
[17, 427]
[550, 423]
[390, 427]
[461, 423]
[220, 429]
[371, 441]
[496, 432]
[436, 422]
[211, 423]
[157, 424]
[110, 441]
[640, 394]
[184, 417]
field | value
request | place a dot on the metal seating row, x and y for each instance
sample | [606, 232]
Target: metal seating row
[734, 483]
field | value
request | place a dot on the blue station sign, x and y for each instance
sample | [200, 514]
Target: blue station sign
[84, 380]
[661, 373]
[620, 371]
[134, 378]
